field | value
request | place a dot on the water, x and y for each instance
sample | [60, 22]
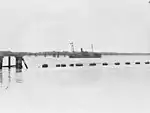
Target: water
[105, 89]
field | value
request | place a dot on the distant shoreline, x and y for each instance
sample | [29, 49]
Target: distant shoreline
[64, 53]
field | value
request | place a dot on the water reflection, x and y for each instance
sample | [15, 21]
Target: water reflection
[18, 70]
[1, 78]
[9, 79]
[18, 77]
[5, 78]
[9, 76]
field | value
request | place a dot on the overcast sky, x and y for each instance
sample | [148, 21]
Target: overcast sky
[45, 25]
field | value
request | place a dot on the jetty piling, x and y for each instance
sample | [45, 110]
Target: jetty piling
[18, 58]
[1, 62]
[9, 62]
[18, 62]
[24, 63]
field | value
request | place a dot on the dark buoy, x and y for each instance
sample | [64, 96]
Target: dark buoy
[117, 63]
[127, 63]
[92, 64]
[147, 62]
[105, 64]
[44, 65]
[71, 65]
[63, 65]
[57, 65]
[137, 62]
[79, 64]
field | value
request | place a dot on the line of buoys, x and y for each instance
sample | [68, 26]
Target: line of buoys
[94, 64]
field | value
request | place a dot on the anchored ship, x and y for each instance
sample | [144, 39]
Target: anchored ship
[85, 54]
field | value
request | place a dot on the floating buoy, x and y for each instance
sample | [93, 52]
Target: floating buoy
[57, 65]
[71, 65]
[79, 64]
[147, 62]
[63, 65]
[105, 64]
[117, 63]
[44, 65]
[92, 64]
[137, 62]
[127, 63]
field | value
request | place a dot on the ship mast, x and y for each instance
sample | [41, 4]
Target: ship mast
[72, 47]
[92, 47]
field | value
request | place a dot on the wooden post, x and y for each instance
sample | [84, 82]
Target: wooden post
[24, 63]
[9, 62]
[1, 62]
[18, 62]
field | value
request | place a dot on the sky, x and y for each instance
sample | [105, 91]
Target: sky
[48, 25]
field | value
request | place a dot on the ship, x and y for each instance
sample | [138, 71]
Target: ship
[85, 54]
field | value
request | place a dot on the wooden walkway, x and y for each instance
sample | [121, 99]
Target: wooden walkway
[19, 59]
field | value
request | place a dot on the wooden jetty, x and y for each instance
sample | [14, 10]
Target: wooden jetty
[19, 59]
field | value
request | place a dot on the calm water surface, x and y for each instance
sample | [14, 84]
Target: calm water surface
[105, 89]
